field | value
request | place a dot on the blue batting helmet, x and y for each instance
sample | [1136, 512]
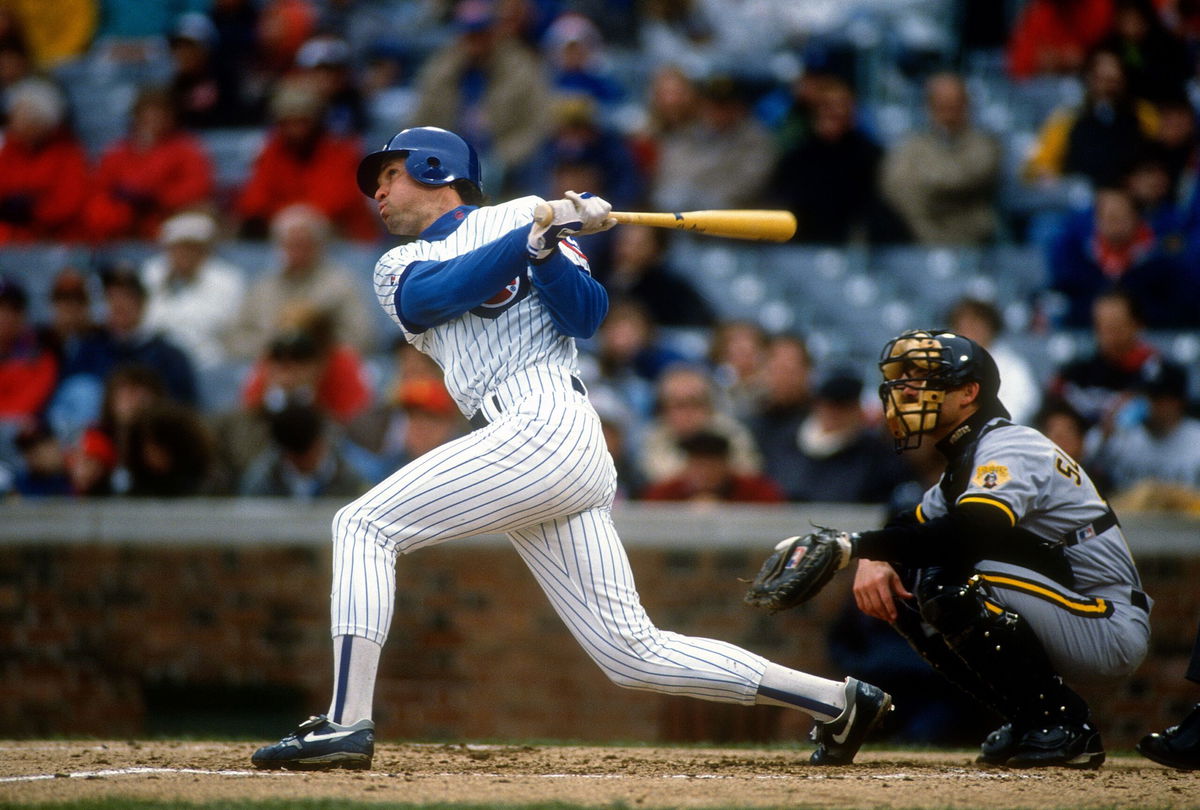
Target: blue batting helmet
[433, 156]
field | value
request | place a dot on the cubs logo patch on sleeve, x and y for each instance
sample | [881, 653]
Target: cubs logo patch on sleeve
[991, 475]
[514, 291]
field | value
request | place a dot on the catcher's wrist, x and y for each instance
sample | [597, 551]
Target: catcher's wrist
[846, 545]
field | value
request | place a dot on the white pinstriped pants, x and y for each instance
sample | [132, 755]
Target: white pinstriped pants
[541, 474]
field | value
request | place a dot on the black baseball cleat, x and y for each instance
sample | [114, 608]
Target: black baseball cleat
[1073, 746]
[998, 746]
[1178, 746]
[320, 744]
[839, 739]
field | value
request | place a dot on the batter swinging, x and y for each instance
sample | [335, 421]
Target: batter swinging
[498, 301]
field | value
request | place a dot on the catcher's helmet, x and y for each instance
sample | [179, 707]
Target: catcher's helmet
[919, 367]
[433, 156]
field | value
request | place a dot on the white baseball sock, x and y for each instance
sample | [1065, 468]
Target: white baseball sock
[355, 662]
[822, 698]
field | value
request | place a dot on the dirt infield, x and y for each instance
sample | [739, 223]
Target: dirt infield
[651, 777]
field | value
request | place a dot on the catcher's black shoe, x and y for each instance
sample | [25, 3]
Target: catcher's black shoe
[1066, 746]
[999, 746]
[1178, 746]
[320, 744]
[839, 739]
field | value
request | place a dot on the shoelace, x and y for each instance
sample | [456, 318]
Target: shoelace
[311, 722]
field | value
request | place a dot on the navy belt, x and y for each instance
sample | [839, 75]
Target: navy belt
[1097, 526]
[479, 418]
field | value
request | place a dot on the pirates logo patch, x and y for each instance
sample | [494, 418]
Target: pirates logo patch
[991, 475]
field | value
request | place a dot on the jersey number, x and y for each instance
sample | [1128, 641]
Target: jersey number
[1067, 467]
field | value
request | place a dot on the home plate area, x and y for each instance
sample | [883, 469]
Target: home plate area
[586, 776]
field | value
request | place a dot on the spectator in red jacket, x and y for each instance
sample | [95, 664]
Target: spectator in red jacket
[1052, 37]
[304, 363]
[302, 162]
[28, 369]
[43, 169]
[156, 171]
[708, 475]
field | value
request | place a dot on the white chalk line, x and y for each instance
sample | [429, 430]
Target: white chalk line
[139, 771]
[960, 774]
[956, 774]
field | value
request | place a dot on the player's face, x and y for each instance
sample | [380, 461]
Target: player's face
[914, 407]
[911, 409]
[955, 408]
[406, 206]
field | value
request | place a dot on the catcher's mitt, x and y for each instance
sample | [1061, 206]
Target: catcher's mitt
[798, 569]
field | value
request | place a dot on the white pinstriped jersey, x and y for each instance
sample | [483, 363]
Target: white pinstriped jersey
[1046, 492]
[497, 340]
[539, 471]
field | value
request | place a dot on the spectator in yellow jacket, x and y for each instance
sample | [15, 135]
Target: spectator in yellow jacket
[1099, 139]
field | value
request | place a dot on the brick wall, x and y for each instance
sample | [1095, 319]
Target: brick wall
[121, 640]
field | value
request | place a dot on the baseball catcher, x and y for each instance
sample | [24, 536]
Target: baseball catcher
[1012, 577]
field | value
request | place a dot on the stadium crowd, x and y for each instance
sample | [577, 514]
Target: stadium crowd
[118, 115]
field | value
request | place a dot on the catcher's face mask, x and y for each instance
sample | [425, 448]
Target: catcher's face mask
[916, 375]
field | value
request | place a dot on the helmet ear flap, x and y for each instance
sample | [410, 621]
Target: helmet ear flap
[426, 168]
[432, 156]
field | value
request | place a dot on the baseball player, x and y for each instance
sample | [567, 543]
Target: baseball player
[498, 300]
[1179, 745]
[1012, 576]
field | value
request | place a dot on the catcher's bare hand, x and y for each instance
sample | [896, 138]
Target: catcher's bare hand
[876, 586]
[798, 569]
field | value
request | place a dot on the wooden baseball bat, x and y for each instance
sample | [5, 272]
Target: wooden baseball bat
[764, 226]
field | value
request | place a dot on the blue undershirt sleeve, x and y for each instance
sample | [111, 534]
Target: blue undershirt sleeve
[577, 303]
[431, 293]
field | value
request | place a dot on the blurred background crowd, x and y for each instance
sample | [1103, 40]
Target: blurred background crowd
[185, 260]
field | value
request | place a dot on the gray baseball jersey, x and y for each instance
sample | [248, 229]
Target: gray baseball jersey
[538, 471]
[1095, 624]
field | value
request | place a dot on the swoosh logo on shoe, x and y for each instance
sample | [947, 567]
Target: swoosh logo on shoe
[312, 736]
[841, 738]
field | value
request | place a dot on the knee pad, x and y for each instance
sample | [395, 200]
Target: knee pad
[950, 608]
[998, 651]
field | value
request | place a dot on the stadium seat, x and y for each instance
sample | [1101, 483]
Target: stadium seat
[813, 280]
[359, 259]
[232, 152]
[691, 342]
[1034, 100]
[100, 113]
[221, 386]
[1019, 270]
[251, 257]
[35, 266]
[133, 252]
